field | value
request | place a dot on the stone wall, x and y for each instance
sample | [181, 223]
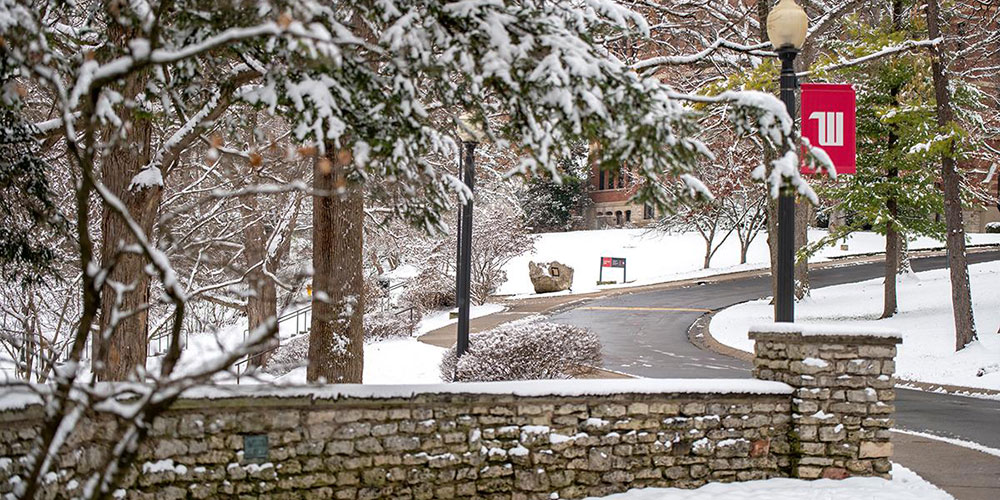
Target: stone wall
[515, 440]
[843, 404]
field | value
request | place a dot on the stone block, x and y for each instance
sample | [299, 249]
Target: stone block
[835, 473]
[871, 449]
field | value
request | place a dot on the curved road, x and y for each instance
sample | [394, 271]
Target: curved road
[645, 334]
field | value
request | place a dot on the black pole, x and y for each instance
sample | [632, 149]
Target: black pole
[465, 233]
[784, 301]
[458, 233]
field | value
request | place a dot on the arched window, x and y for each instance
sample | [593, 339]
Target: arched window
[628, 216]
[618, 217]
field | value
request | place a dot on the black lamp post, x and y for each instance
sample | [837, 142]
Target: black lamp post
[786, 27]
[469, 133]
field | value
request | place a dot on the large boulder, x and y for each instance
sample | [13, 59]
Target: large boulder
[549, 277]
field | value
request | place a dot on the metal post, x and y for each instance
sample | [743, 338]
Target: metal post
[458, 233]
[465, 250]
[784, 300]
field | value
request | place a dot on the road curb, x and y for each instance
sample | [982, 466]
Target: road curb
[699, 335]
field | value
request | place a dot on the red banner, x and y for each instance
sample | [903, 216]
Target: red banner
[828, 122]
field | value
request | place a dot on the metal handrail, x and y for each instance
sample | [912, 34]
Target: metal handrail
[302, 326]
[162, 338]
[411, 310]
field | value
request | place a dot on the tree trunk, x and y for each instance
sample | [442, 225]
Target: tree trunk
[33, 341]
[262, 304]
[744, 248]
[336, 338]
[961, 294]
[803, 214]
[892, 239]
[904, 266]
[892, 236]
[126, 348]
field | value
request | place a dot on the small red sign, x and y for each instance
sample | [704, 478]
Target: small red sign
[605, 261]
[829, 121]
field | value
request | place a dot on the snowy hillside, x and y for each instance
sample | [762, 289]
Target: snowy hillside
[654, 257]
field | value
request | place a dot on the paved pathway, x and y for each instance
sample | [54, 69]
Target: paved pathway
[965, 474]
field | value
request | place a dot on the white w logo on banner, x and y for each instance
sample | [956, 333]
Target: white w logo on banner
[831, 127]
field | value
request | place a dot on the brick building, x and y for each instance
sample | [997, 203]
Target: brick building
[612, 205]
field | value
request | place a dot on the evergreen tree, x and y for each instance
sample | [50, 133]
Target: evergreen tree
[26, 204]
[556, 203]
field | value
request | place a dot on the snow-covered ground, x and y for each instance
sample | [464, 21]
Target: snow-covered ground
[395, 361]
[905, 485]
[655, 257]
[925, 321]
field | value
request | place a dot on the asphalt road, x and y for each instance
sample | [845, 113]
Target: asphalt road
[645, 334]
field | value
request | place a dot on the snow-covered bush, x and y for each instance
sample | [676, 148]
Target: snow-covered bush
[993, 227]
[290, 355]
[384, 325]
[498, 235]
[431, 289]
[524, 350]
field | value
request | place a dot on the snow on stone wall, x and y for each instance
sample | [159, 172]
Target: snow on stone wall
[535, 439]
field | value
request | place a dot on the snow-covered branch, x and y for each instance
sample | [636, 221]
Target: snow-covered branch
[653, 62]
[887, 51]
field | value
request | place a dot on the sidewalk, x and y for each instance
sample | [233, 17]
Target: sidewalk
[964, 473]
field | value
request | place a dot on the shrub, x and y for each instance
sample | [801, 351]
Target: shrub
[523, 350]
[430, 290]
[385, 325]
[993, 227]
[557, 206]
[290, 355]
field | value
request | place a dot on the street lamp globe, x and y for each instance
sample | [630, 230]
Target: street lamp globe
[787, 24]
[470, 128]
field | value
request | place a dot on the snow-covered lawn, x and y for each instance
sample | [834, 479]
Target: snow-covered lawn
[905, 485]
[925, 321]
[654, 257]
[397, 361]
[394, 361]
